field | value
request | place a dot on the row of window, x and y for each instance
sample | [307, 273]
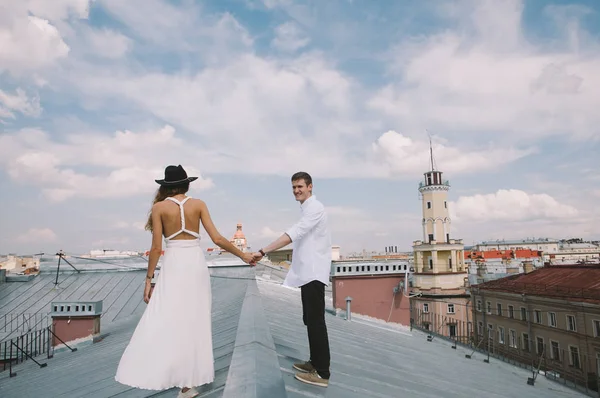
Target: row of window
[538, 317]
[525, 344]
[367, 268]
[449, 308]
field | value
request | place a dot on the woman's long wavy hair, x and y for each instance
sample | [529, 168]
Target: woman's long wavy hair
[161, 194]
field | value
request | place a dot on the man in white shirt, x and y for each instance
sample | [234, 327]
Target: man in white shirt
[311, 265]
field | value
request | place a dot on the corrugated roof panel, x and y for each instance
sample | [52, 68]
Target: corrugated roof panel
[373, 359]
[580, 282]
[89, 372]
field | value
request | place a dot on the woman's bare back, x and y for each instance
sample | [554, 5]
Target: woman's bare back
[170, 216]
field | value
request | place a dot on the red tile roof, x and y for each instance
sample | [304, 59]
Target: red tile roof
[574, 282]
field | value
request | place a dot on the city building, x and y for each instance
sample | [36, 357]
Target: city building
[378, 289]
[239, 239]
[549, 317]
[20, 264]
[441, 302]
[545, 245]
[554, 251]
[494, 264]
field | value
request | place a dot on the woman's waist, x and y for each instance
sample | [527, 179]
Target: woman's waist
[183, 243]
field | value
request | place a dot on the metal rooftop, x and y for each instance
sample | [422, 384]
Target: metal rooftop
[257, 333]
[575, 282]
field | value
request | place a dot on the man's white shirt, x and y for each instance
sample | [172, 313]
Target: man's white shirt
[311, 243]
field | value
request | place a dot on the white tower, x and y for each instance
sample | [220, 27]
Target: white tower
[437, 252]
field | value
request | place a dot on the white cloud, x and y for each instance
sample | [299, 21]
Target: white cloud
[18, 102]
[509, 205]
[37, 235]
[343, 211]
[289, 37]
[123, 165]
[405, 156]
[107, 43]
[486, 77]
[268, 233]
[42, 40]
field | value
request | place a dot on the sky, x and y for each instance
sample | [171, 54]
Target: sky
[98, 97]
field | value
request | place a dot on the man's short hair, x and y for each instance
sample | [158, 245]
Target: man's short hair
[301, 175]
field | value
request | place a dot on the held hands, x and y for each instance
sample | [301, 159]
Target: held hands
[257, 256]
[249, 258]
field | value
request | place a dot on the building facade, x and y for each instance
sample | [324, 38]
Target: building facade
[378, 289]
[440, 278]
[549, 317]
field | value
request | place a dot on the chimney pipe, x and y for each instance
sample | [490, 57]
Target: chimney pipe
[348, 312]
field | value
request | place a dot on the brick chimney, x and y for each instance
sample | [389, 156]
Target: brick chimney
[527, 266]
[75, 320]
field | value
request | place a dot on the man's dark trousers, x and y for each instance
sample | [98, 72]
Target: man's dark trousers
[313, 315]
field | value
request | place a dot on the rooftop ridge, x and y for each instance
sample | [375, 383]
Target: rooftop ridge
[254, 370]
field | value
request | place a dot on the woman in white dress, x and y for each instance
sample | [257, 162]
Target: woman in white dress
[172, 344]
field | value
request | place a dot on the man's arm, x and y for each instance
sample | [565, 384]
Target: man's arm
[282, 241]
[296, 232]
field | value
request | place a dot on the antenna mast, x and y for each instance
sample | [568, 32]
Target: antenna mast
[431, 152]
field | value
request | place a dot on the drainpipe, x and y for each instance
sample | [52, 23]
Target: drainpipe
[348, 312]
[529, 328]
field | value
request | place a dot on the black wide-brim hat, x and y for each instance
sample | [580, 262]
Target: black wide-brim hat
[175, 175]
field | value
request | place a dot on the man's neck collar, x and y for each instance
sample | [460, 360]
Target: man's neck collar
[307, 200]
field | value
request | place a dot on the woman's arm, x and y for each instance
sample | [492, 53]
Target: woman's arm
[216, 237]
[156, 248]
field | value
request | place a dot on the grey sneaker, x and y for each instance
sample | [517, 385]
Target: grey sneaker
[305, 367]
[312, 378]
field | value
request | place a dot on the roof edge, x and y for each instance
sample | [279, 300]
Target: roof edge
[254, 370]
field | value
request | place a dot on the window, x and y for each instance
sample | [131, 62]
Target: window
[552, 319]
[445, 205]
[429, 205]
[479, 305]
[426, 307]
[596, 327]
[511, 311]
[490, 329]
[450, 263]
[430, 239]
[426, 324]
[480, 328]
[431, 260]
[554, 350]
[571, 324]
[525, 342]
[574, 356]
[452, 330]
[537, 316]
[523, 313]
[540, 345]
[489, 307]
[499, 309]
[501, 335]
[450, 308]
[512, 336]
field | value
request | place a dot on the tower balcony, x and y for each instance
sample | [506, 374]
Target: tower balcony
[445, 183]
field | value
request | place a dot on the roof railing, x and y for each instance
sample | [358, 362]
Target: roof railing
[28, 346]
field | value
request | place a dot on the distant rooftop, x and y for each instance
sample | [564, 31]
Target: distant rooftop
[519, 241]
[257, 334]
[575, 282]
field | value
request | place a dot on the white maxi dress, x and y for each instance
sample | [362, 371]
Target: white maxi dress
[172, 344]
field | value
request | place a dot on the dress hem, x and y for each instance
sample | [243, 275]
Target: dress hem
[162, 388]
